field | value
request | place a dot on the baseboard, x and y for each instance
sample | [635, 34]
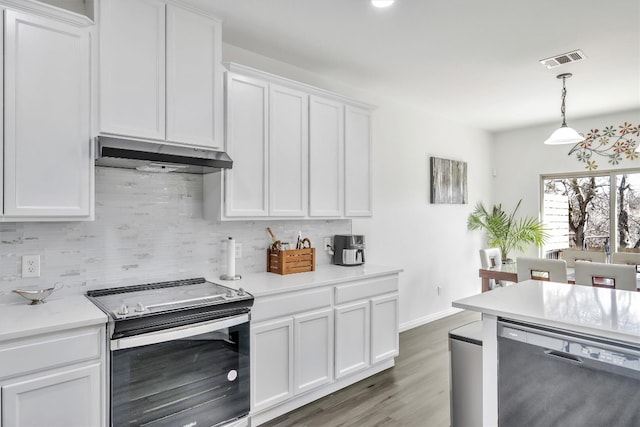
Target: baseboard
[428, 319]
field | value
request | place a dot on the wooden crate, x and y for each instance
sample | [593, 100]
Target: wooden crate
[292, 261]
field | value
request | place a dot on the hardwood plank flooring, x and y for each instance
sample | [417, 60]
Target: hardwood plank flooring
[413, 393]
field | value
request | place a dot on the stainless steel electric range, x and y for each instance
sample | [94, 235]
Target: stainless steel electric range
[179, 353]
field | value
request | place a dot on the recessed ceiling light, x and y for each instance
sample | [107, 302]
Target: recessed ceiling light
[382, 3]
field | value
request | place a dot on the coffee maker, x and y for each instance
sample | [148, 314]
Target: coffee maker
[348, 249]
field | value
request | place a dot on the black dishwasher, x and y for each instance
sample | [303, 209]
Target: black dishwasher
[556, 378]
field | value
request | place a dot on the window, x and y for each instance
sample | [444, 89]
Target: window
[592, 212]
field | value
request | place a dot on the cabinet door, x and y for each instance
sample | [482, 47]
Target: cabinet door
[271, 363]
[384, 328]
[68, 398]
[47, 145]
[194, 81]
[288, 151]
[246, 184]
[313, 350]
[352, 338]
[326, 157]
[132, 68]
[357, 162]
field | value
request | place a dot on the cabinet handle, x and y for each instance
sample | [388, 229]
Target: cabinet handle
[563, 356]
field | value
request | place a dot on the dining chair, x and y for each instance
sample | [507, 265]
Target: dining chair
[551, 270]
[571, 256]
[628, 258]
[599, 274]
[490, 257]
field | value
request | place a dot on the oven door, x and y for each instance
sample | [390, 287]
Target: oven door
[189, 376]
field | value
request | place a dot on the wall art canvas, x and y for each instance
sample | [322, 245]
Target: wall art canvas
[448, 181]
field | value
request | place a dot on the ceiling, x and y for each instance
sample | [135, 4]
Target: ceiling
[473, 61]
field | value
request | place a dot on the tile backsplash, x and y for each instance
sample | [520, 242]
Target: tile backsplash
[148, 227]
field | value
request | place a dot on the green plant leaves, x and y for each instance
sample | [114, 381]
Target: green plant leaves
[504, 230]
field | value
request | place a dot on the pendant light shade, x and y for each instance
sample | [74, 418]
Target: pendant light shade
[564, 134]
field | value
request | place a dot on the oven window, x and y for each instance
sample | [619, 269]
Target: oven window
[200, 380]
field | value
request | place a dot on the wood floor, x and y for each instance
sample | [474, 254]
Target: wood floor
[413, 393]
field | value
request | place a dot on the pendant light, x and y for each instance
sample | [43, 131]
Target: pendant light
[564, 134]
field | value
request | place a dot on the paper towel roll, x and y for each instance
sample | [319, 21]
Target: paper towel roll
[231, 257]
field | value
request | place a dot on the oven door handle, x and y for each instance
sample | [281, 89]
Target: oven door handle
[177, 333]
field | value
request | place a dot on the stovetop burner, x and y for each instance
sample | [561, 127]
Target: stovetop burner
[145, 308]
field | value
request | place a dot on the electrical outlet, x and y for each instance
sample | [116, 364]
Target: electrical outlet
[439, 290]
[327, 243]
[31, 266]
[238, 250]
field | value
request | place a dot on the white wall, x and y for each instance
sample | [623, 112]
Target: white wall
[430, 242]
[519, 158]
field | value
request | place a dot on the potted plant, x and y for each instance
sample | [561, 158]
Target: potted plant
[505, 231]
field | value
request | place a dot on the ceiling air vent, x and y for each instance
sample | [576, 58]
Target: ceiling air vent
[565, 58]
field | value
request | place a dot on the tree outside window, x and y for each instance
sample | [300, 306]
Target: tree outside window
[577, 211]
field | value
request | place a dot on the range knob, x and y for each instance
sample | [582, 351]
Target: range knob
[240, 292]
[124, 310]
[140, 308]
[229, 294]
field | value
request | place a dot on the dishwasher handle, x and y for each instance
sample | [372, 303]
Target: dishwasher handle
[564, 356]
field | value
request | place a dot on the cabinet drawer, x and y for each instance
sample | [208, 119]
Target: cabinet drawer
[49, 351]
[366, 288]
[290, 303]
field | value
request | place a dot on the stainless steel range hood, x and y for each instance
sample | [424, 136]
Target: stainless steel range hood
[157, 157]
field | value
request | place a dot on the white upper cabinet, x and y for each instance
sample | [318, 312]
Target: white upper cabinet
[194, 84]
[246, 186]
[48, 167]
[357, 162]
[288, 151]
[160, 73]
[298, 152]
[326, 157]
[132, 61]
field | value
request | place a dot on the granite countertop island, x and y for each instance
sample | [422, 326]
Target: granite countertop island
[598, 312]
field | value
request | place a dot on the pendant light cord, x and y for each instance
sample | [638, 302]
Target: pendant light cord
[562, 107]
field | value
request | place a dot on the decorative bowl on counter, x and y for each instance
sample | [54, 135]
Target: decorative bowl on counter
[37, 296]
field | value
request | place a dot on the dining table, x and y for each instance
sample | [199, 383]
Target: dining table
[509, 272]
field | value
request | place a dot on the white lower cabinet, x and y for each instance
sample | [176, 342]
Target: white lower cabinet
[291, 356]
[384, 324]
[65, 398]
[307, 344]
[272, 362]
[352, 338]
[54, 379]
[367, 323]
[313, 355]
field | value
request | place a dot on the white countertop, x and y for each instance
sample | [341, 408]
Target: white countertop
[56, 314]
[608, 313]
[263, 284]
